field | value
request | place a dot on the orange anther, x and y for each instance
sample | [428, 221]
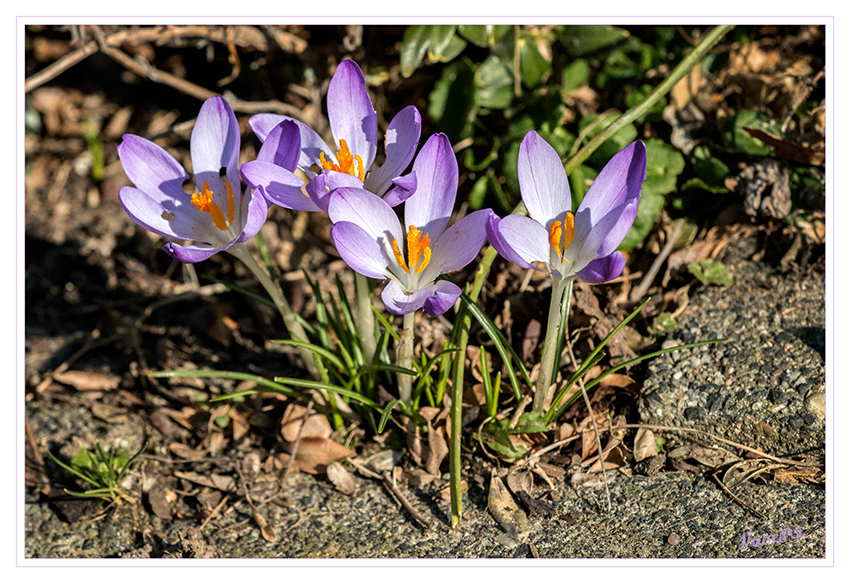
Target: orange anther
[348, 163]
[204, 203]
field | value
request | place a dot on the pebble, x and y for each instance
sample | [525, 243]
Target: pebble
[673, 539]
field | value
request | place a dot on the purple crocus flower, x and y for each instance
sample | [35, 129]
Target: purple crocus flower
[369, 237]
[582, 244]
[354, 125]
[218, 215]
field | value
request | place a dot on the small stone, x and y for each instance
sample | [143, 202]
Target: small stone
[673, 539]
[816, 405]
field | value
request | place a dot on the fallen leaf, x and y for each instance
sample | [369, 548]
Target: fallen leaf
[87, 381]
[316, 453]
[340, 478]
[503, 508]
[266, 529]
[645, 444]
[219, 482]
[316, 425]
[436, 452]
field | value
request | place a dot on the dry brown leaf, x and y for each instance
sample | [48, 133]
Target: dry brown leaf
[219, 482]
[87, 381]
[520, 481]
[437, 450]
[316, 453]
[184, 451]
[503, 508]
[316, 425]
[340, 478]
[644, 444]
[266, 529]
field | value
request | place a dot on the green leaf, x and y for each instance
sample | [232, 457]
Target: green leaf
[636, 96]
[440, 51]
[710, 272]
[663, 324]
[530, 422]
[222, 421]
[709, 168]
[82, 460]
[494, 84]
[580, 180]
[575, 75]
[607, 149]
[452, 102]
[582, 40]
[413, 47]
[533, 66]
[482, 35]
[735, 137]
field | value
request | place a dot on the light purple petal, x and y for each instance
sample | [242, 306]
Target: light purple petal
[278, 185]
[320, 187]
[282, 146]
[404, 188]
[350, 112]
[607, 234]
[459, 245]
[430, 206]
[435, 298]
[153, 216]
[522, 238]
[400, 143]
[360, 250]
[618, 183]
[154, 171]
[311, 143]
[603, 269]
[371, 213]
[542, 180]
[215, 144]
[255, 211]
[445, 295]
[191, 253]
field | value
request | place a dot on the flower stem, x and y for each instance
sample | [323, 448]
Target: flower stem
[550, 346]
[290, 320]
[404, 358]
[365, 317]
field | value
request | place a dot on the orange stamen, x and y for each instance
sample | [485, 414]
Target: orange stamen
[562, 234]
[204, 203]
[418, 250]
[346, 162]
[230, 204]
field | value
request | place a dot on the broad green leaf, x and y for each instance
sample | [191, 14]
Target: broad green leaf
[735, 137]
[624, 136]
[710, 272]
[82, 459]
[711, 170]
[580, 180]
[451, 50]
[413, 47]
[452, 102]
[581, 40]
[635, 96]
[439, 37]
[533, 66]
[482, 35]
[575, 75]
[494, 84]
[663, 324]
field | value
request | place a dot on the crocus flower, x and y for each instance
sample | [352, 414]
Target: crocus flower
[349, 163]
[219, 215]
[369, 237]
[582, 244]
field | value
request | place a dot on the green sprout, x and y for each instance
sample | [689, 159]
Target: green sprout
[103, 469]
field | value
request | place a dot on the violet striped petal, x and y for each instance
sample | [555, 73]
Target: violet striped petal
[603, 269]
[371, 213]
[435, 298]
[459, 245]
[215, 144]
[311, 143]
[360, 250]
[152, 215]
[400, 143]
[191, 253]
[430, 207]
[350, 113]
[278, 185]
[542, 180]
[522, 238]
[282, 146]
[618, 183]
[154, 171]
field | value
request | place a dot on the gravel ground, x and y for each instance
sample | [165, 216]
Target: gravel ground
[757, 389]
